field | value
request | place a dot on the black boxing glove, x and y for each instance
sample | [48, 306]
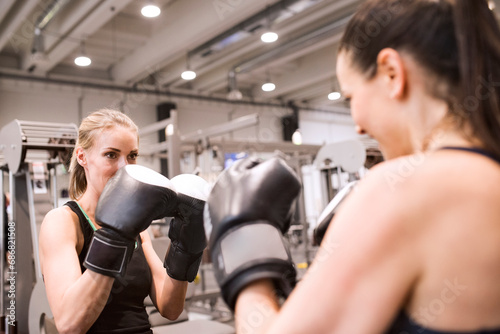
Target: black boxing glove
[329, 211]
[186, 232]
[130, 201]
[247, 211]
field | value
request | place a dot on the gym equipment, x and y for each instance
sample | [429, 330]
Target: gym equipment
[20, 141]
[327, 215]
[334, 159]
[23, 143]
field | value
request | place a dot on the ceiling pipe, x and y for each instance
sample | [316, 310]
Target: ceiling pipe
[12, 22]
[38, 46]
[155, 92]
[5, 7]
[49, 14]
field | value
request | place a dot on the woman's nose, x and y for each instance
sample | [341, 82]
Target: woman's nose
[122, 161]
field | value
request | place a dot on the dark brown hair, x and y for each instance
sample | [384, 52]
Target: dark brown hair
[456, 41]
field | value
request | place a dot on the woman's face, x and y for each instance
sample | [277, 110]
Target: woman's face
[373, 111]
[113, 148]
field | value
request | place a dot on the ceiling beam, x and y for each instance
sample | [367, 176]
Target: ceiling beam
[5, 7]
[77, 10]
[320, 88]
[88, 25]
[15, 21]
[194, 23]
[316, 67]
[247, 46]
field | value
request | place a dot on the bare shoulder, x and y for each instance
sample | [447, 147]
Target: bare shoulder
[390, 183]
[57, 223]
[429, 176]
[442, 176]
[390, 198]
[381, 210]
[422, 188]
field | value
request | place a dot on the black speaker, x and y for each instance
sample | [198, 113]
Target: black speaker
[163, 112]
[289, 124]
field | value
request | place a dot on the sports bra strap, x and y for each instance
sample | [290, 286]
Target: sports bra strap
[477, 150]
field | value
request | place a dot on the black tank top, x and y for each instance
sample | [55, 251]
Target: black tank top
[403, 324]
[124, 312]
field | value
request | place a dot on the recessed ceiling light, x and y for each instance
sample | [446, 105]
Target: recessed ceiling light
[268, 87]
[269, 37]
[83, 61]
[150, 11]
[333, 96]
[188, 75]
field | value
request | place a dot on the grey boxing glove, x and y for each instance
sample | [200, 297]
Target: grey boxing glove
[247, 212]
[186, 232]
[130, 201]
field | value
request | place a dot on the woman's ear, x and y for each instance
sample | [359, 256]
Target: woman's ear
[80, 156]
[391, 67]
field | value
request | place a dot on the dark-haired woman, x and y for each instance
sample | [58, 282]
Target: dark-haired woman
[416, 249]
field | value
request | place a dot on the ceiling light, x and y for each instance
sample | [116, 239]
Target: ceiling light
[268, 87]
[83, 61]
[188, 75]
[234, 95]
[150, 11]
[269, 37]
[297, 137]
[333, 96]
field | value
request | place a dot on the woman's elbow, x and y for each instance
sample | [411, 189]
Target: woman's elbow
[68, 327]
[172, 313]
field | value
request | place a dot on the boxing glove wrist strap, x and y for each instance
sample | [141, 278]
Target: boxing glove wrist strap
[108, 253]
[251, 252]
[181, 265]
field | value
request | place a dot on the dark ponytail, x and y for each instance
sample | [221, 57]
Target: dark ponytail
[478, 40]
[456, 41]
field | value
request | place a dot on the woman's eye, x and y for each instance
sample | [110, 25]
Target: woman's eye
[111, 155]
[133, 156]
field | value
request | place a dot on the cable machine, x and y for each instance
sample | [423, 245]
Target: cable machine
[23, 302]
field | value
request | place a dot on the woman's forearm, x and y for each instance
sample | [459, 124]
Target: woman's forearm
[256, 308]
[83, 302]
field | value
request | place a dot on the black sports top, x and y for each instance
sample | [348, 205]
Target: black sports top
[403, 324]
[473, 150]
[124, 312]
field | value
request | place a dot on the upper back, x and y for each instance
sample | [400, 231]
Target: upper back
[454, 206]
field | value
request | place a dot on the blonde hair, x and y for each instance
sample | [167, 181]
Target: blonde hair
[92, 125]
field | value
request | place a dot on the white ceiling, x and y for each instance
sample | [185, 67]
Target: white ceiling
[214, 36]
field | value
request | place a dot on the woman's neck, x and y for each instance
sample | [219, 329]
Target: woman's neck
[433, 127]
[88, 203]
[449, 134]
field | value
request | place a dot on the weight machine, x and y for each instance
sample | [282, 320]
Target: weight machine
[31, 151]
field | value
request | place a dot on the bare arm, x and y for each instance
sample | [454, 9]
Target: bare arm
[359, 279]
[75, 299]
[167, 294]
